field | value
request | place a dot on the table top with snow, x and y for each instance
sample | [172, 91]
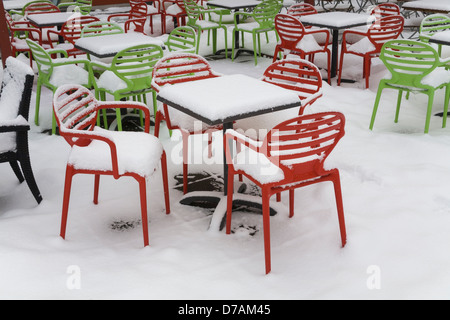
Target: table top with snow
[438, 5]
[234, 4]
[52, 18]
[15, 4]
[109, 45]
[337, 20]
[227, 98]
[442, 37]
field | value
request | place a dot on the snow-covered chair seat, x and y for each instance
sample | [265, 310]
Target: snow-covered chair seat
[290, 156]
[178, 68]
[15, 94]
[101, 152]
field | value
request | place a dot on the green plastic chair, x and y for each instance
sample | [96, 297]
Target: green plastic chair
[199, 18]
[432, 24]
[183, 39]
[262, 17]
[21, 13]
[53, 73]
[415, 67]
[128, 76]
[100, 28]
[84, 6]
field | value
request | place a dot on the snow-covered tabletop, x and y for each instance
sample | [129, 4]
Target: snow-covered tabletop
[438, 6]
[108, 45]
[441, 37]
[51, 19]
[233, 4]
[15, 4]
[337, 20]
[227, 98]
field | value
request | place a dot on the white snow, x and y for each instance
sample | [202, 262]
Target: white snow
[395, 184]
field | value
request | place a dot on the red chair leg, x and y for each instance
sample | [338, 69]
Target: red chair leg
[158, 119]
[185, 161]
[165, 181]
[266, 227]
[143, 195]
[340, 207]
[291, 202]
[65, 209]
[96, 188]
[230, 190]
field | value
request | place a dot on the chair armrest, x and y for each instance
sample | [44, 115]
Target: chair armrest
[115, 15]
[14, 125]
[127, 23]
[55, 51]
[309, 31]
[130, 105]
[49, 32]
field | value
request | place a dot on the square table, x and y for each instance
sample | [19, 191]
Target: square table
[428, 6]
[234, 5]
[51, 19]
[223, 100]
[15, 4]
[336, 21]
[105, 46]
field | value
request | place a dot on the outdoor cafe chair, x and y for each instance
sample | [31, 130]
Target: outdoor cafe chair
[290, 156]
[182, 39]
[15, 96]
[296, 39]
[128, 76]
[432, 24]
[70, 32]
[179, 68]
[175, 10]
[19, 31]
[199, 18]
[99, 152]
[40, 8]
[134, 20]
[153, 9]
[414, 66]
[260, 20]
[20, 14]
[369, 47]
[53, 73]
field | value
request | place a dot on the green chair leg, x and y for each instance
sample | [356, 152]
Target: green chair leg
[399, 101]
[38, 101]
[375, 107]
[446, 103]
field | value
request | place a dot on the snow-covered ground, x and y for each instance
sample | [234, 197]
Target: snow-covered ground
[395, 182]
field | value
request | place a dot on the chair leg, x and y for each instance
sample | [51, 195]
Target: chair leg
[446, 103]
[185, 137]
[15, 167]
[144, 217]
[67, 188]
[399, 101]
[165, 182]
[341, 63]
[230, 190]
[25, 164]
[375, 107]
[266, 227]
[291, 202]
[96, 188]
[158, 119]
[38, 101]
[429, 108]
[340, 206]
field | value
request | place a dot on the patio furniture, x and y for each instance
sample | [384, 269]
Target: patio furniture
[199, 18]
[19, 31]
[99, 152]
[53, 73]
[84, 6]
[176, 11]
[428, 6]
[292, 155]
[128, 76]
[101, 28]
[15, 95]
[263, 16]
[38, 12]
[182, 39]
[250, 97]
[433, 24]
[336, 21]
[296, 39]
[70, 32]
[39, 7]
[383, 30]
[414, 66]
[134, 20]
[153, 9]
[174, 69]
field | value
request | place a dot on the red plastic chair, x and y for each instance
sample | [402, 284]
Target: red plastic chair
[39, 8]
[70, 32]
[386, 28]
[136, 18]
[291, 156]
[178, 68]
[301, 9]
[174, 9]
[153, 9]
[296, 39]
[101, 152]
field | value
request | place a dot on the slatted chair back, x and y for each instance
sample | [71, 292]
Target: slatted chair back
[300, 76]
[265, 12]
[42, 58]
[290, 30]
[300, 146]
[385, 29]
[100, 28]
[301, 9]
[71, 29]
[385, 9]
[183, 39]
[137, 18]
[433, 23]
[75, 113]
[134, 66]
[409, 61]
[40, 7]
